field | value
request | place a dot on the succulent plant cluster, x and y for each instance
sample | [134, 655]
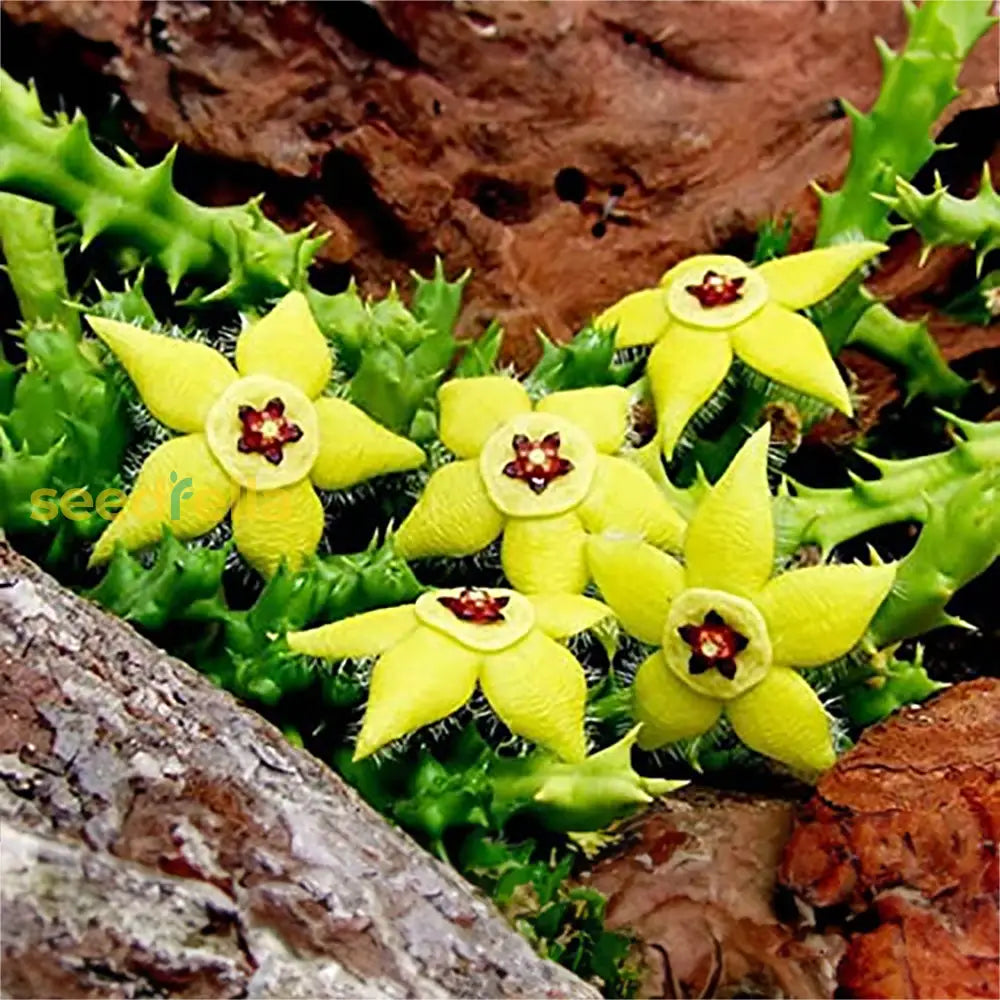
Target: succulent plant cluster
[477, 593]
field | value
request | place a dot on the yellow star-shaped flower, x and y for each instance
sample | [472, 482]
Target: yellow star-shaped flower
[432, 653]
[732, 634]
[710, 307]
[256, 439]
[545, 476]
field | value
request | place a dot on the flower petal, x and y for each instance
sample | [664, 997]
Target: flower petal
[539, 690]
[817, 614]
[802, 279]
[473, 408]
[786, 347]
[353, 447]
[545, 555]
[180, 486]
[602, 412]
[639, 318]
[368, 634]
[624, 499]
[287, 344]
[782, 717]
[453, 517]
[283, 524]
[684, 369]
[667, 708]
[418, 681]
[637, 581]
[563, 615]
[178, 380]
[730, 539]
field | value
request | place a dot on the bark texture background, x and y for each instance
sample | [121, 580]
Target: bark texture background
[158, 839]
[899, 847]
[884, 884]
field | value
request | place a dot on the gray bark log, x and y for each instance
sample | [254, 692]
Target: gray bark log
[161, 840]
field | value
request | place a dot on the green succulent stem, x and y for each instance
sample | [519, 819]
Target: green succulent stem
[905, 490]
[941, 219]
[237, 249]
[894, 138]
[34, 263]
[959, 541]
[908, 346]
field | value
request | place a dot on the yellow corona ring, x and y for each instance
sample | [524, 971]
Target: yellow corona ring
[431, 655]
[545, 476]
[256, 439]
[710, 307]
[732, 636]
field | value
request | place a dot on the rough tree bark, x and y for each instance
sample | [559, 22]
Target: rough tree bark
[883, 885]
[159, 839]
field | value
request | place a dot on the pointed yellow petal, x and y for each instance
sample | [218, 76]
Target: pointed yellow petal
[782, 717]
[786, 347]
[638, 583]
[602, 412]
[283, 524]
[639, 318]
[730, 539]
[453, 517]
[817, 614]
[360, 635]
[684, 369]
[667, 708]
[178, 380]
[180, 486]
[473, 408]
[623, 499]
[418, 681]
[563, 615]
[545, 555]
[287, 344]
[353, 447]
[538, 689]
[803, 279]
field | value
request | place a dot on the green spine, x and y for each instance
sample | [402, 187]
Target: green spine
[906, 490]
[894, 137]
[941, 219]
[34, 263]
[246, 256]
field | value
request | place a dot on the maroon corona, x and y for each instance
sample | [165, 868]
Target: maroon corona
[716, 290]
[477, 606]
[537, 463]
[713, 644]
[267, 431]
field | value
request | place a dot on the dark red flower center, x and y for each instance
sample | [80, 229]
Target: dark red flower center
[477, 606]
[537, 463]
[716, 290]
[713, 644]
[267, 431]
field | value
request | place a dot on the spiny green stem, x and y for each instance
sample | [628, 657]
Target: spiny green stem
[894, 138]
[941, 219]
[908, 346]
[248, 257]
[34, 263]
[958, 542]
[906, 490]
